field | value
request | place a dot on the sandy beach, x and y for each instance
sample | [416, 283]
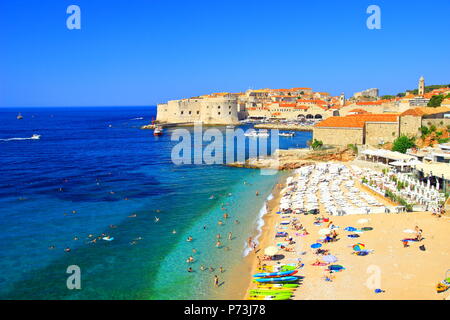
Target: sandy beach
[402, 273]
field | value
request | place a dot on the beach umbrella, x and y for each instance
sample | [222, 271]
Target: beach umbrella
[271, 251]
[358, 247]
[336, 267]
[329, 258]
[324, 231]
[316, 245]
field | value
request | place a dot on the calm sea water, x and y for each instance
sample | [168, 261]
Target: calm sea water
[93, 171]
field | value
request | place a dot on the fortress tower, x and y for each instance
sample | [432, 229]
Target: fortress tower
[421, 86]
[342, 99]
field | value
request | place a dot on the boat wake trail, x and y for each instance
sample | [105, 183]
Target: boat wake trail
[33, 137]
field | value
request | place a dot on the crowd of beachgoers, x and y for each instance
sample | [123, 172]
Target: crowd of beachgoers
[326, 228]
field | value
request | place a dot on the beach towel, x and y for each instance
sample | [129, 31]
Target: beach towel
[320, 264]
[353, 235]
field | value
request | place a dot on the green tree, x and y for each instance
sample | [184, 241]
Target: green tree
[435, 101]
[403, 143]
[316, 144]
[424, 130]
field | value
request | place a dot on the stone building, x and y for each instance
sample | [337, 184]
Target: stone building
[206, 109]
[359, 129]
[411, 120]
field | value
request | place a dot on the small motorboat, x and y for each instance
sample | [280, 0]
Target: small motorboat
[286, 134]
[256, 134]
[19, 116]
[35, 137]
[158, 131]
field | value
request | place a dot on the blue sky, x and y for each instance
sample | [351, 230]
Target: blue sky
[142, 52]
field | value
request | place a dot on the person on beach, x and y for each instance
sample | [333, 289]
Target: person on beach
[216, 281]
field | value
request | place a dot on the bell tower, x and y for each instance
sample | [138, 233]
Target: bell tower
[342, 99]
[421, 86]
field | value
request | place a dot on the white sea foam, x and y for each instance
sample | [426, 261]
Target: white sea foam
[259, 225]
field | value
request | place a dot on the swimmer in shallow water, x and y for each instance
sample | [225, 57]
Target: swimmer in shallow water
[189, 239]
[156, 219]
[174, 231]
[132, 215]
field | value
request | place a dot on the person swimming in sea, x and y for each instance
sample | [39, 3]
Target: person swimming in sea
[202, 268]
[67, 249]
[190, 259]
[190, 269]
[218, 236]
[220, 222]
[132, 215]
[174, 231]
[156, 219]
[218, 244]
[257, 193]
[236, 221]
[225, 215]
[189, 239]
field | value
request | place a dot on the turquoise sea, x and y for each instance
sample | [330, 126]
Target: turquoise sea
[94, 172]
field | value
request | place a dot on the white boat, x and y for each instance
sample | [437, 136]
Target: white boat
[35, 136]
[286, 134]
[256, 134]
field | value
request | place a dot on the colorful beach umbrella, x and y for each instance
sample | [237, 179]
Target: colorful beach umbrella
[271, 251]
[359, 247]
[329, 258]
[316, 245]
[324, 231]
[336, 267]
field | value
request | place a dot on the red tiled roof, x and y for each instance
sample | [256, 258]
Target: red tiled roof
[356, 121]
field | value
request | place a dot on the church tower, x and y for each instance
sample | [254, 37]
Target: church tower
[342, 100]
[421, 86]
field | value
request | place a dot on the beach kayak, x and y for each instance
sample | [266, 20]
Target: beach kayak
[275, 274]
[269, 298]
[281, 279]
[290, 286]
[278, 268]
[268, 292]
